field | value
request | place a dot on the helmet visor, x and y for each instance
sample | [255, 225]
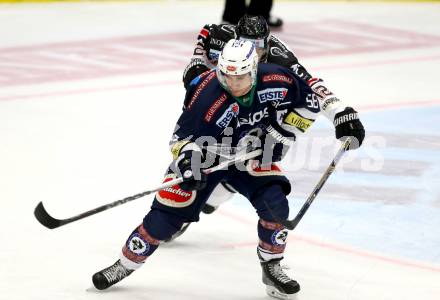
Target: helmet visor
[260, 45]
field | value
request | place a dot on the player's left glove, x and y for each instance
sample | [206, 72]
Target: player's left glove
[347, 124]
[189, 166]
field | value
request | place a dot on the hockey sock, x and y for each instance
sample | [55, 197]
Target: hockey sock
[138, 247]
[272, 242]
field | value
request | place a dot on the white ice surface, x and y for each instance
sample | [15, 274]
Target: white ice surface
[77, 144]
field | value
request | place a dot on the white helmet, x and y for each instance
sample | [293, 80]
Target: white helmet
[237, 58]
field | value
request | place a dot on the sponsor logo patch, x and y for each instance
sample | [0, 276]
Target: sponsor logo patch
[214, 55]
[217, 42]
[254, 169]
[227, 116]
[138, 245]
[254, 118]
[299, 122]
[277, 78]
[329, 102]
[215, 106]
[200, 88]
[279, 237]
[174, 196]
[274, 94]
[345, 118]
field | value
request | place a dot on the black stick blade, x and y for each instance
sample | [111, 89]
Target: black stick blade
[289, 224]
[44, 218]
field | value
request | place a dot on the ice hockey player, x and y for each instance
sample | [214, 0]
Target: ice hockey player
[239, 99]
[210, 43]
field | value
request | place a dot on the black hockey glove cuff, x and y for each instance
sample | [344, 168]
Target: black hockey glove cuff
[347, 124]
[194, 69]
[275, 145]
[189, 165]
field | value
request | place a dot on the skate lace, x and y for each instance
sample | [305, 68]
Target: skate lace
[115, 273]
[277, 272]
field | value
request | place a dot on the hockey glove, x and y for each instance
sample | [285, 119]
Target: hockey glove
[275, 144]
[189, 164]
[276, 140]
[347, 124]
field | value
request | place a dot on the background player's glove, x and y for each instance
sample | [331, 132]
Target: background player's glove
[189, 166]
[347, 124]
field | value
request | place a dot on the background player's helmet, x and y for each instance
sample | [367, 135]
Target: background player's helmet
[255, 29]
[237, 58]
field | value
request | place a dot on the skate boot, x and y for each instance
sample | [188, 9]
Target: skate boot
[111, 275]
[278, 284]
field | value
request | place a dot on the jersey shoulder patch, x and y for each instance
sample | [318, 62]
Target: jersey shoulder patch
[275, 73]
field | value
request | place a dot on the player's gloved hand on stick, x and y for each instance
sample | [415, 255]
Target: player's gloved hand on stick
[347, 124]
[189, 164]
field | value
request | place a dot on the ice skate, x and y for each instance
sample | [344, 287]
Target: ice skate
[278, 284]
[110, 275]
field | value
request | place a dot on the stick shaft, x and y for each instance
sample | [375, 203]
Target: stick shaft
[291, 224]
[50, 222]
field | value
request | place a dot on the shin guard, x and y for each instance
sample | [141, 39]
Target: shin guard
[273, 237]
[138, 247]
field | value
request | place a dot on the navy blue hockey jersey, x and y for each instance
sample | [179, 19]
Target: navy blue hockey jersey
[210, 109]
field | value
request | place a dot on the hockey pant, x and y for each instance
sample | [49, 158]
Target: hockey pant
[173, 206]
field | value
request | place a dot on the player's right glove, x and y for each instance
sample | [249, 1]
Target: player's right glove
[189, 165]
[347, 124]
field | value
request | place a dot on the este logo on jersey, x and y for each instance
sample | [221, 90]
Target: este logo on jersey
[274, 94]
[227, 116]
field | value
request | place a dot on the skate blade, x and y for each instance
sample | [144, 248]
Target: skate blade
[273, 292]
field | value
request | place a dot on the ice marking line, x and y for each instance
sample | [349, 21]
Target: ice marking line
[88, 91]
[332, 246]
[169, 82]
[385, 106]
[379, 63]
[101, 58]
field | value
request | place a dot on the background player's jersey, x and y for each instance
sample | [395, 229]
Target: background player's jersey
[213, 114]
[211, 40]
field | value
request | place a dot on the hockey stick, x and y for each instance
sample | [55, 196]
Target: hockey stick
[291, 224]
[50, 222]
